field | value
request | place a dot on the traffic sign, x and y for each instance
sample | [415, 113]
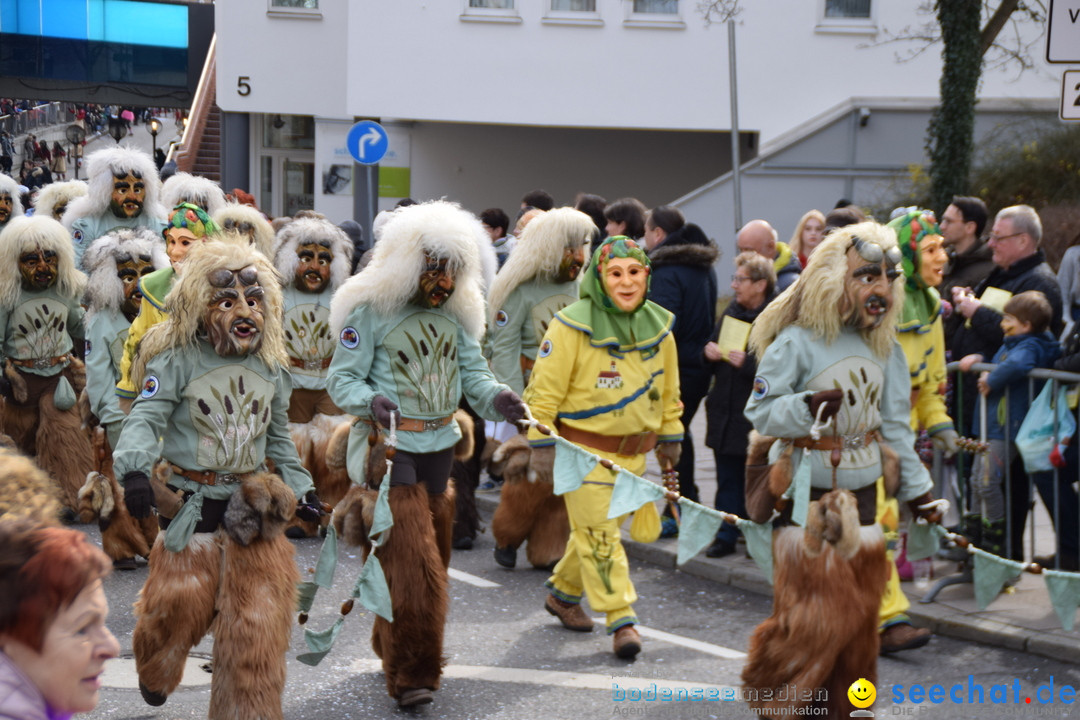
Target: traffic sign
[1070, 95]
[367, 142]
[1063, 32]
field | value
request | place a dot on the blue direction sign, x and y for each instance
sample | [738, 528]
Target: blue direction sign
[367, 142]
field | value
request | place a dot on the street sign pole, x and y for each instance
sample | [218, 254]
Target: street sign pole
[368, 143]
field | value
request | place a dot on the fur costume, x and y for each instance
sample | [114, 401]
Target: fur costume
[42, 325]
[184, 187]
[234, 575]
[822, 634]
[10, 188]
[407, 339]
[230, 215]
[527, 510]
[26, 491]
[122, 537]
[89, 217]
[58, 196]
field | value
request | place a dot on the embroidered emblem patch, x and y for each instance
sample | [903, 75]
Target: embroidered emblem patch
[350, 338]
[86, 352]
[545, 348]
[77, 236]
[761, 388]
[501, 318]
[150, 387]
[609, 379]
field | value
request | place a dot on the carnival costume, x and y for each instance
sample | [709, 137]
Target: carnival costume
[844, 370]
[54, 198]
[10, 203]
[124, 192]
[249, 221]
[606, 377]
[215, 388]
[539, 279]
[40, 322]
[409, 326]
[182, 187]
[313, 257]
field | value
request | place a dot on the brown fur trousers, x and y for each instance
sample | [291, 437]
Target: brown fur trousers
[414, 554]
[823, 632]
[238, 583]
[527, 511]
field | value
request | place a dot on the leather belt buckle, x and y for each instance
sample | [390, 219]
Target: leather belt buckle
[42, 363]
[433, 424]
[228, 478]
[313, 365]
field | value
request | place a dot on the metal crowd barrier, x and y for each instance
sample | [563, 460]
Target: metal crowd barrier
[41, 116]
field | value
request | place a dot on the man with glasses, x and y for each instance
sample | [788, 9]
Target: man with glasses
[962, 226]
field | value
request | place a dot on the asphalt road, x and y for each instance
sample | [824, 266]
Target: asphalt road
[509, 660]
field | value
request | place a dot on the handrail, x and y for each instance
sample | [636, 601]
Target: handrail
[185, 151]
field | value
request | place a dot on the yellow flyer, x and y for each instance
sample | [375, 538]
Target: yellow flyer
[733, 335]
[995, 299]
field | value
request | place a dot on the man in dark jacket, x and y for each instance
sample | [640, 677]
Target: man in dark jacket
[962, 225]
[754, 285]
[683, 282]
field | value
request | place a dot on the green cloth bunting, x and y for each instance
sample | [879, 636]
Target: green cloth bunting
[305, 595]
[324, 568]
[383, 519]
[320, 642]
[759, 544]
[991, 574]
[630, 493]
[923, 540]
[572, 464]
[372, 589]
[1064, 590]
[799, 491]
[697, 528]
[183, 525]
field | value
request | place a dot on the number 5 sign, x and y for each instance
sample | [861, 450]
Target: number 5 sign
[1070, 95]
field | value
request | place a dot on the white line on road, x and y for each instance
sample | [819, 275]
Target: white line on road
[120, 673]
[717, 650]
[550, 678]
[471, 579]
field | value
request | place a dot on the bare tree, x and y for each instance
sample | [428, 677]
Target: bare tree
[718, 11]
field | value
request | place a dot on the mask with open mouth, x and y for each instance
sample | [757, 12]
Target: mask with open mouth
[6, 206]
[129, 268]
[39, 269]
[436, 282]
[573, 260]
[128, 195]
[313, 270]
[868, 292]
[235, 315]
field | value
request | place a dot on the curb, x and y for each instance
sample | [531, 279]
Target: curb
[940, 619]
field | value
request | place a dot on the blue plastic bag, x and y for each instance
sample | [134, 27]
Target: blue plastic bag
[1036, 438]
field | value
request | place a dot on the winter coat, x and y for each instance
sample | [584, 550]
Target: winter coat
[1017, 356]
[683, 282]
[787, 267]
[20, 699]
[984, 336]
[964, 270]
[726, 426]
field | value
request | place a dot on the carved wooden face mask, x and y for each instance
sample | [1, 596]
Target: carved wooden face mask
[129, 268]
[313, 270]
[39, 269]
[234, 317]
[436, 282]
[128, 196]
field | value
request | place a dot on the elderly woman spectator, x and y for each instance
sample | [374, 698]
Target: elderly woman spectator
[53, 639]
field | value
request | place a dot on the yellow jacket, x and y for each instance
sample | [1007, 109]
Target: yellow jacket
[925, 353]
[154, 287]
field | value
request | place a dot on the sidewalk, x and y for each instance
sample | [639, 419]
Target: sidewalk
[1021, 619]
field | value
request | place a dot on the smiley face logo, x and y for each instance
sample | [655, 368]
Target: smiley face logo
[862, 693]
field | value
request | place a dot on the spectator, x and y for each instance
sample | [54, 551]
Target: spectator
[1067, 555]
[753, 285]
[593, 206]
[52, 621]
[1026, 345]
[842, 216]
[962, 225]
[496, 223]
[682, 282]
[59, 162]
[7, 152]
[539, 199]
[760, 237]
[625, 216]
[807, 235]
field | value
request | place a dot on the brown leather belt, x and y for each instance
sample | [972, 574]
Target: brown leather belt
[41, 363]
[209, 477]
[417, 424]
[310, 364]
[618, 444]
[844, 442]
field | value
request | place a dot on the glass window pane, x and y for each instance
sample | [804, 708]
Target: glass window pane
[310, 4]
[266, 183]
[847, 9]
[289, 131]
[299, 186]
[658, 7]
[498, 4]
[574, 5]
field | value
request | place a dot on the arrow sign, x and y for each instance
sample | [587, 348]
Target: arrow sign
[367, 142]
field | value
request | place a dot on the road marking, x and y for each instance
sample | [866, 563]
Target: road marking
[717, 650]
[471, 579]
[120, 673]
[549, 678]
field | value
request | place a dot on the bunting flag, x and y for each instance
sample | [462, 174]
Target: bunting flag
[572, 464]
[697, 528]
[327, 563]
[305, 595]
[1064, 591]
[383, 519]
[991, 574]
[759, 544]
[372, 590]
[799, 490]
[320, 643]
[923, 540]
[630, 493]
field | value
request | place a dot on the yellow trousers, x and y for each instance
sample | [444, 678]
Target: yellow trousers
[893, 602]
[595, 563]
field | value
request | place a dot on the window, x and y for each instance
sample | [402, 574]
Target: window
[847, 9]
[573, 5]
[657, 7]
[572, 12]
[308, 4]
[497, 11]
[294, 8]
[493, 4]
[654, 14]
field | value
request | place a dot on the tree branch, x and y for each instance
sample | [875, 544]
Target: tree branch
[995, 23]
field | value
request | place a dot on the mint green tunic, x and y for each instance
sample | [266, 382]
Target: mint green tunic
[41, 324]
[106, 332]
[307, 336]
[520, 325]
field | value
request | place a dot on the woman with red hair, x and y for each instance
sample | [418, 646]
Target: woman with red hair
[53, 639]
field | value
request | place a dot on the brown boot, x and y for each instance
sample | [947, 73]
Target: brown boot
[903, 636]
[627, 642]
[570, 614]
